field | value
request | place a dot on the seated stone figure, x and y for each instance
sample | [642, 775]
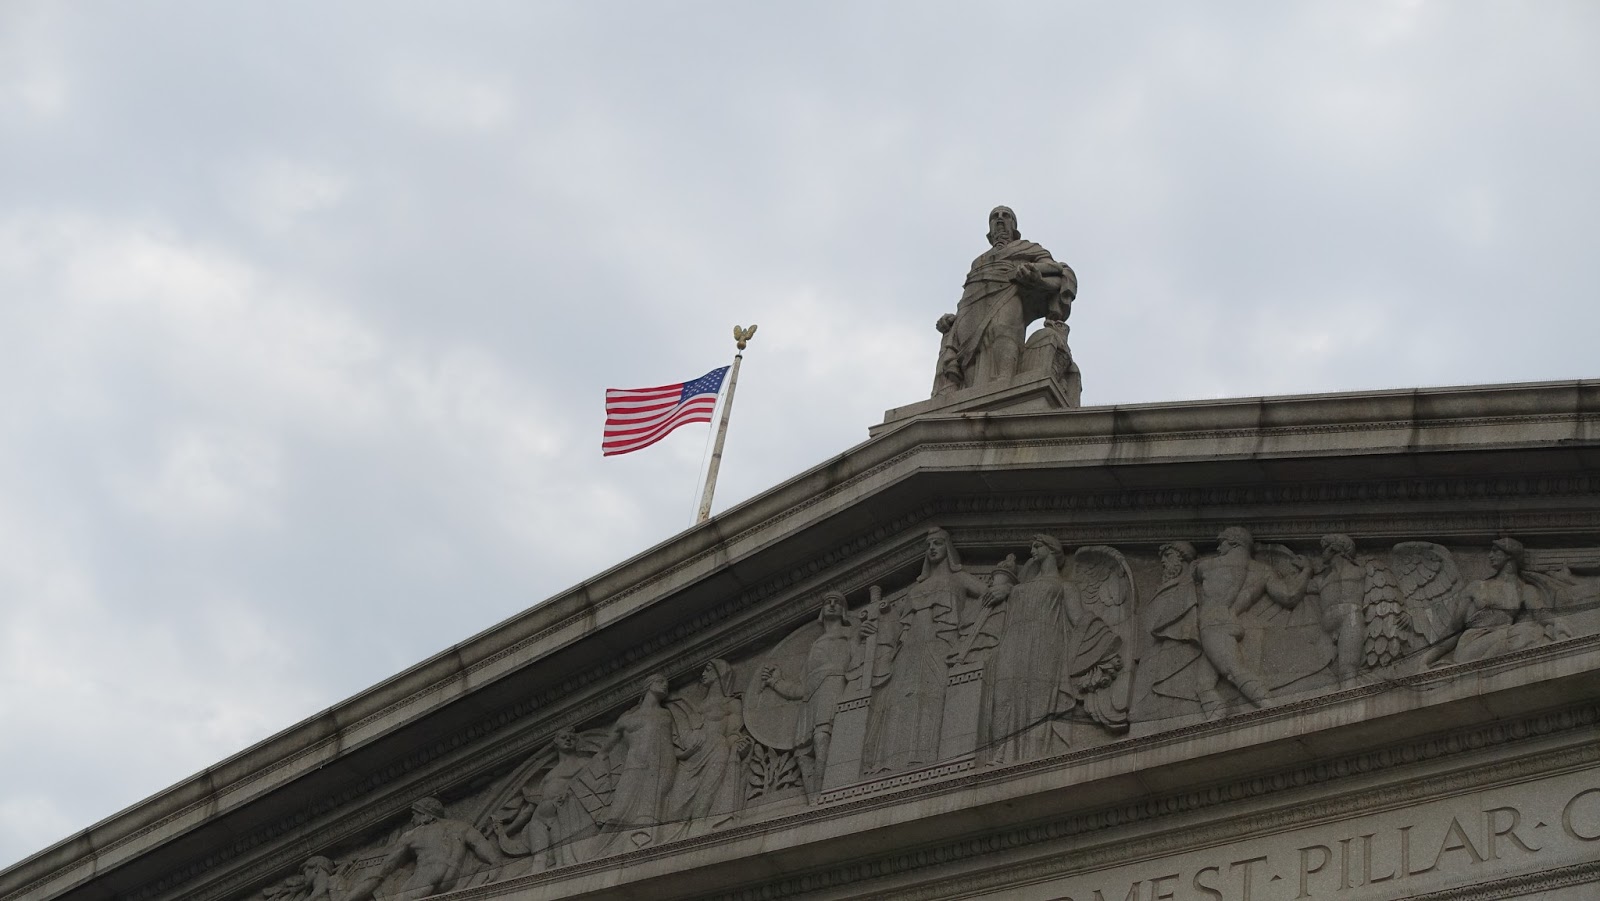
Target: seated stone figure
[1507, 611]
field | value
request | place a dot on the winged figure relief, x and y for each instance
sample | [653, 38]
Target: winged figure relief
[1433, 614]
[1098, 669]
[1104, 582]
[1516, 607]
[1056, 658]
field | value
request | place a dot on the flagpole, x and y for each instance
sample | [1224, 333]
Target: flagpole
[741, 336]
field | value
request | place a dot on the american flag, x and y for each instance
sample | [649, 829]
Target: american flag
[639, 417]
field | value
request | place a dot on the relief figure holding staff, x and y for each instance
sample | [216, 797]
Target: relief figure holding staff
[910, 644]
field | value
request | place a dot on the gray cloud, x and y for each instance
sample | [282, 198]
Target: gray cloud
[306, 310]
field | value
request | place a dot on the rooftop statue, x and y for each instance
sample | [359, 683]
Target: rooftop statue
[1010, 286]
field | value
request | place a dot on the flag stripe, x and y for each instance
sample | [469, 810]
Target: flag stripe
[668, 390]
[639, 399]
[623, 446]
[626, 409]
[628, 430]
[699, 404]
[639, 417]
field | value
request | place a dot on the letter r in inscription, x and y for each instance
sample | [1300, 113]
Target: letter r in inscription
[1510, 831]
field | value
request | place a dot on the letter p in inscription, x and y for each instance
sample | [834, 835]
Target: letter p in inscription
[1306, 869]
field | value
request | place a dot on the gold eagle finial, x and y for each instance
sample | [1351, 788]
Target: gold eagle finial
[743, 335]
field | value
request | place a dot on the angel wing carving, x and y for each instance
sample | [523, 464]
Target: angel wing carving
[1098, 668]
[1430, 584]
[1388, 636]
[1104, 582]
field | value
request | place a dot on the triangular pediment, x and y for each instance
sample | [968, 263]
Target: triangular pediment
[983, 690]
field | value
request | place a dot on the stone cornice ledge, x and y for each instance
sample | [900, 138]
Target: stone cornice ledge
[1550, 414]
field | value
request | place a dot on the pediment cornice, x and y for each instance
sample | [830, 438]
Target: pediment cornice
[1391, 464]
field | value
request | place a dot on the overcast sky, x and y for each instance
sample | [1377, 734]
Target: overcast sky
[307, 309]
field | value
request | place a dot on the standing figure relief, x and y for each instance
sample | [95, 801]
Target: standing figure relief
[1253, 632]
[911, 640]
[643, 762]
[710, 746]
[1055, 643]
[547, 816]
[815, 688]
[1345, 587]
[1021, 698]
[1171, 673]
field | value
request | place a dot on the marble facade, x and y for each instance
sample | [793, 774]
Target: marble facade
[1336, 646]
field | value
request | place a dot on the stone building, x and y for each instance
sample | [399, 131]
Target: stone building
[1332, 646]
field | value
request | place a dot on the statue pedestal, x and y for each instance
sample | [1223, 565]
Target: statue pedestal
[1025, 392]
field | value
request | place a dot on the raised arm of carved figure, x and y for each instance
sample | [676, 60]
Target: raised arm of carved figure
[772, 677]
[398, 856]
[481, 847]
[1286, 586]
[1539, 591]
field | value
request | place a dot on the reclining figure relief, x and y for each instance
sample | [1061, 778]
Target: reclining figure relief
[1452, 620]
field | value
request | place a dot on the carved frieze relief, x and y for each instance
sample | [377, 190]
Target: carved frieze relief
[975, 663]
[859, 560]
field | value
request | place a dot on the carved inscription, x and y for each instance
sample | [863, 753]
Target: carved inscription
[1461, 841]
